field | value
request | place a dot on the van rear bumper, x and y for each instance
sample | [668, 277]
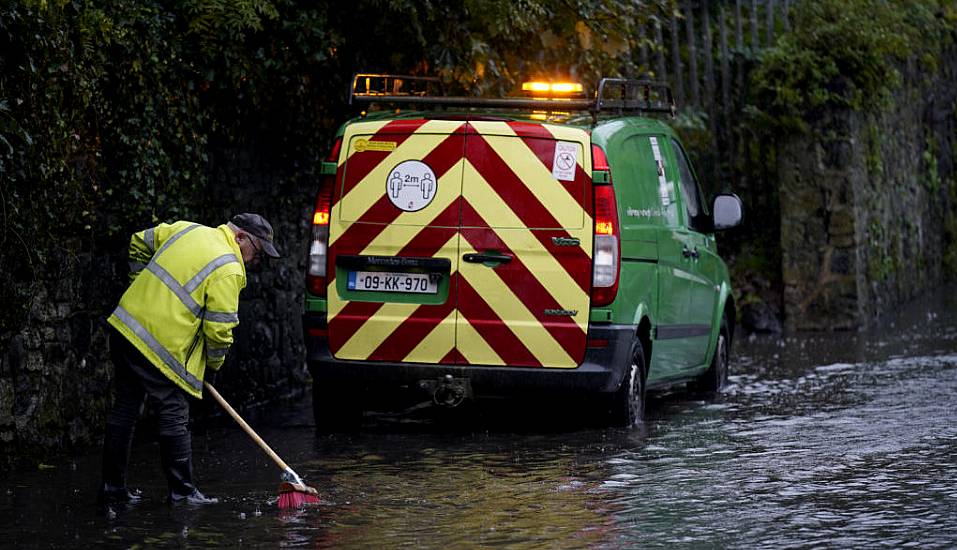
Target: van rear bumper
[601, 371]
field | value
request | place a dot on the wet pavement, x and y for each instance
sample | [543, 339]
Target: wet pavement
[836, 440]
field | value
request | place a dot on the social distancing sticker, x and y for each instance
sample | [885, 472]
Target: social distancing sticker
[411, 185]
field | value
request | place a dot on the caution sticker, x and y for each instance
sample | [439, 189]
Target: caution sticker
[361, 145]
[565, 160]
[411, 185]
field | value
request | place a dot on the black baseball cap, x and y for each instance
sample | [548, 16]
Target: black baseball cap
[257, 226]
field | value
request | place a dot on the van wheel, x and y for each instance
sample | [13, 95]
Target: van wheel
[333, 409]
[628, 403]
[716, 376]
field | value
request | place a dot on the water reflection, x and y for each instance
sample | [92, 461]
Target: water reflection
[827, 440]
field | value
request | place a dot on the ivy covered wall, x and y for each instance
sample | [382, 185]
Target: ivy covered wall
[860, 100]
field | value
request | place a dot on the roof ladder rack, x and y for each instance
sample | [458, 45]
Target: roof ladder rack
[619, 95]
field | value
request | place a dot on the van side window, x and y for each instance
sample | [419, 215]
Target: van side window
[645, 198]
[690, 192]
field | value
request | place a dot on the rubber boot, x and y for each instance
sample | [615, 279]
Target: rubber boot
[177, 456]
[116, 455]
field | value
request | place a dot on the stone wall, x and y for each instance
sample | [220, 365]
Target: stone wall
[864, 199]
[53, 377]
[55, 373]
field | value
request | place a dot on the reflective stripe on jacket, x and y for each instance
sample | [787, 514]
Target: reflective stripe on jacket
[183, 299]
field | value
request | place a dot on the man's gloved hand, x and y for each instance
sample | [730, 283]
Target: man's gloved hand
[210, 377]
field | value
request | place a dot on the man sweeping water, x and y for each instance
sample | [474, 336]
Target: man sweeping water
[173, 327]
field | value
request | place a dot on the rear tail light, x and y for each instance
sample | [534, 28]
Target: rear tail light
[316, 279]
[319, 247]
[606, 258]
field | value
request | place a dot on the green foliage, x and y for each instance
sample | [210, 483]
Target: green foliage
[490, 46]
[875, 157]
[843, 54]
[228, 19]
[103, 129]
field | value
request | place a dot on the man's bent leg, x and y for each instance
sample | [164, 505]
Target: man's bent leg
[172, 409]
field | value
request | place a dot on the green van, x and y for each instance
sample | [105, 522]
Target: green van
[499, 247]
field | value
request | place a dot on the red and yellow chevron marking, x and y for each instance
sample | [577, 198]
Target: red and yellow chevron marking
[496, 192]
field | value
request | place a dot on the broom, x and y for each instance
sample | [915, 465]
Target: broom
[293, 493]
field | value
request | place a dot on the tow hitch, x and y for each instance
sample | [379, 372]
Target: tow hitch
[448, 391]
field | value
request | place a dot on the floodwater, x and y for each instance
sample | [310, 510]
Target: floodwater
[844, 440]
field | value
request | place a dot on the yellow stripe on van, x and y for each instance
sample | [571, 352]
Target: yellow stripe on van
[375, 330]
[477, 352]
[334, 301]
[436, 344]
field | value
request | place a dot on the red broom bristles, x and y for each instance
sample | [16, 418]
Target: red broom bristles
[295, 499]
[296, 496]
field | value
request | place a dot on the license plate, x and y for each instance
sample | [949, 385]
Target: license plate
[381, 281]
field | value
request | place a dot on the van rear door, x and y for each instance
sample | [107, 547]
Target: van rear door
[394, 243]
[524, 265]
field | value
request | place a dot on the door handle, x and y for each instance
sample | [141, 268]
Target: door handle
[487, 258]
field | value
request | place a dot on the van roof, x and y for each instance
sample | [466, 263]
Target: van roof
[577, 119]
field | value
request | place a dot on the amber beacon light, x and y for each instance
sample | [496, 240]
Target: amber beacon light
[541, 88]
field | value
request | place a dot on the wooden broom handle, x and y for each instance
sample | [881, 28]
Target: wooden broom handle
[249, 431]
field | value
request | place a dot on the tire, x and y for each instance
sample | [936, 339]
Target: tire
[716, 376]
[333, 409]
[628, 403]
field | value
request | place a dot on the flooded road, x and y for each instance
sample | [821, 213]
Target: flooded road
[845, 440]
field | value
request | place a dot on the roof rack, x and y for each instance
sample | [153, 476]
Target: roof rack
[620, 95]
[634, 96]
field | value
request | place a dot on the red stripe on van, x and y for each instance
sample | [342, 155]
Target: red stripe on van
[453, 357]
[492, 329]
[507, 184]
[530, 129]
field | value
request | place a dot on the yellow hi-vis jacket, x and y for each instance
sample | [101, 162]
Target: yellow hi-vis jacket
[183, 299]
